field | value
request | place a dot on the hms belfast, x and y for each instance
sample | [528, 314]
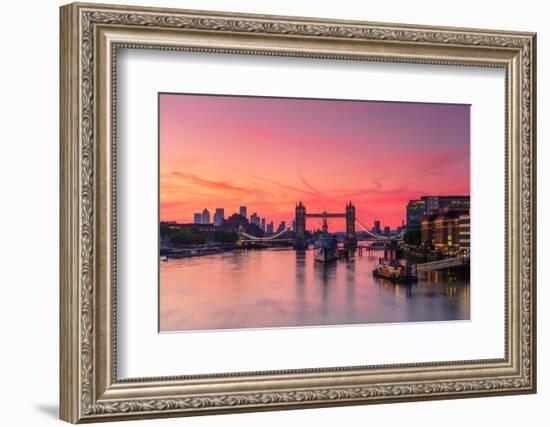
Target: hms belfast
[326, 246]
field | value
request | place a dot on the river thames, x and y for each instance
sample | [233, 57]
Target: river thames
[283, 287]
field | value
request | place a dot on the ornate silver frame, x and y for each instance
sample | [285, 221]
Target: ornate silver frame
[90, 36]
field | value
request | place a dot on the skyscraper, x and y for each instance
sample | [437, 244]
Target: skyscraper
[415, 210]
[219, 216]
[255, 219]
[262, 224]
[205, 217]
[242, 211]
[269, 228]
[282, 226]
[376, 228]
[197, 219]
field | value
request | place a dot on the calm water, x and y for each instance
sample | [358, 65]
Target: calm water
[283, 287]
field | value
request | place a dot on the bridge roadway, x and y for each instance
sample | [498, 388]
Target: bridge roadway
[325, 215]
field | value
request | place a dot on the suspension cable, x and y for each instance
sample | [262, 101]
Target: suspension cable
[273, 236]
[376, 236]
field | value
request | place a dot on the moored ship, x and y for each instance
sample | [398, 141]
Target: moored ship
[325, 247]
[394, 272]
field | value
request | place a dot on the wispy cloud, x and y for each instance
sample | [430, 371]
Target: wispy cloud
[306, 182]
[215, 185]
[282, 185]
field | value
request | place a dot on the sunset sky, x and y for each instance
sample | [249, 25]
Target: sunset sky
[270, 153]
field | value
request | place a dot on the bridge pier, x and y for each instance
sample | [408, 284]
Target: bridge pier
[300, 244]
[350, 243]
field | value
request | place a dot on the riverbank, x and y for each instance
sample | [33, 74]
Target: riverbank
[203, 250]
[178, 253]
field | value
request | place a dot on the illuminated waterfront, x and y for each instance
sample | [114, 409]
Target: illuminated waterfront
[281, 287]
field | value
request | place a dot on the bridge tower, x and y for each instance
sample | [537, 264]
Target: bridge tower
[300, 241]
[351, 239]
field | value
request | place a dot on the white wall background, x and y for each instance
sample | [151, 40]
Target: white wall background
[29, 170]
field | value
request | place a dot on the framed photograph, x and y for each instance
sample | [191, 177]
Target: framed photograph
[266, 212]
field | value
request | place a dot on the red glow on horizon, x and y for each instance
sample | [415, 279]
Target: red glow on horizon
[269, 153]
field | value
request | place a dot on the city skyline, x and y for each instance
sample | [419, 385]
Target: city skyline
[219, 217]
[268, 153]
[377, 226]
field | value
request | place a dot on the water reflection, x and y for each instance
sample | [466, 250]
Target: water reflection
[300, 282]
[283, 287]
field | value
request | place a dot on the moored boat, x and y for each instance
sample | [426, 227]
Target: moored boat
[394, 272]
[325, 247]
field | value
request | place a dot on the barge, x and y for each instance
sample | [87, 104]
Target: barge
[395, 272]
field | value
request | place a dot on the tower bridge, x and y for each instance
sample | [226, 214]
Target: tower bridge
[299, 239]
[301, 215]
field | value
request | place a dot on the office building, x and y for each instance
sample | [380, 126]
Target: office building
[242, 211]
[427, 230]
[415, 211]
[219, 216]
[269, 228]
[376, 228]
[432, 203]
[446, 231]
[262, 224]
[255, 219]
[205, 217]
[197, 218]
[464, 232]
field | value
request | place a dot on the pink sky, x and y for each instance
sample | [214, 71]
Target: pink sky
[269, 153]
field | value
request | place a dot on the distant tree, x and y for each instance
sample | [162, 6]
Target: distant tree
[225, 236]
[167, 229]
[187, 237]
[413, 237]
